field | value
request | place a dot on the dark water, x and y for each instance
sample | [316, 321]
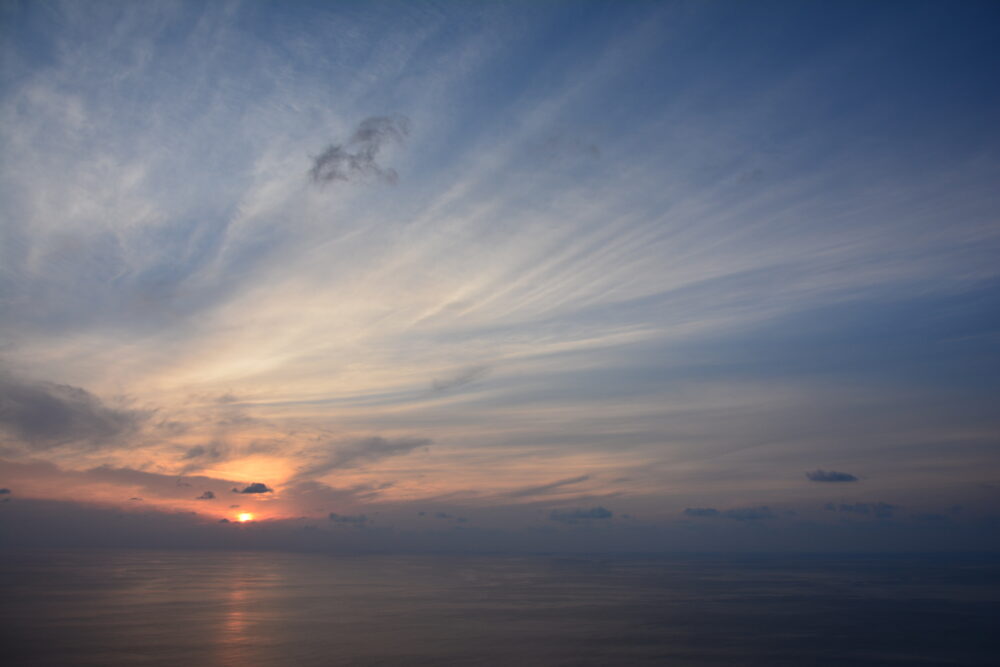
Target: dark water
[113, 608]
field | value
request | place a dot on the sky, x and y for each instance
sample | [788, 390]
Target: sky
[584, 276]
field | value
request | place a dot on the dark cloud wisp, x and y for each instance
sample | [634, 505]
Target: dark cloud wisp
[701, 511]
[580, 515]
[357, 520]
[360, 452]
[356, 158]
[830, 476]
[460, 378]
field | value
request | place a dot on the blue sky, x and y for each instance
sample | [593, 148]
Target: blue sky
[560, 270]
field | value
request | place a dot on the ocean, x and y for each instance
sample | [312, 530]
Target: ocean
[204, 608]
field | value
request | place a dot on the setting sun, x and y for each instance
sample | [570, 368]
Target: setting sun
[244, 517]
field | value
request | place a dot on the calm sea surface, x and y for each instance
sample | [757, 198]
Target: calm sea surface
[188, 608]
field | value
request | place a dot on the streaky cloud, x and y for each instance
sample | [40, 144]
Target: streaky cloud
[461, 378]
[361, 452]
[542, 489]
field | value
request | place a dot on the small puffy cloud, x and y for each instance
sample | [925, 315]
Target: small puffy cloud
[356, 157]
[357, 520]
[256, 487]
[208, 495]
[578, 515]
[749, 513]
[830, 476]
[4, 492]
[701, 511]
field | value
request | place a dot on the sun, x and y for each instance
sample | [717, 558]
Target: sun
[243, 517]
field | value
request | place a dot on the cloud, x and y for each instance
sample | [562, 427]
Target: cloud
[545, 488]
[357, 156]
[200, 455]
[749, 513]
[4, 492]
[830, 476]
[358, 520]
[578, 515]
[212, 452]
[208, 495]
[44, 415]
[256, 487]
[368, 450]
[879, 510]
[460, 378]
[701, 511]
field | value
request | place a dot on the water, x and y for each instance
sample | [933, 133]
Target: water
[112, 608]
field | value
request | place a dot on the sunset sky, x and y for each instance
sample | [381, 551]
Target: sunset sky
[460, 275]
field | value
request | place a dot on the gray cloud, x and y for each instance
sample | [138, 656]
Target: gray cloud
[4, 492]
[199, 455]
[701, 511]
[357, 520]
[256, 487]
[460, 378]
[44, 415]
[879, 510]
[749, 513]
[830, 476]
[578, 515]
[368, 450]
[357, 156]
[208, 495]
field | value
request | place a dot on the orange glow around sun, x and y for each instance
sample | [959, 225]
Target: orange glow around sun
[243, 517]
